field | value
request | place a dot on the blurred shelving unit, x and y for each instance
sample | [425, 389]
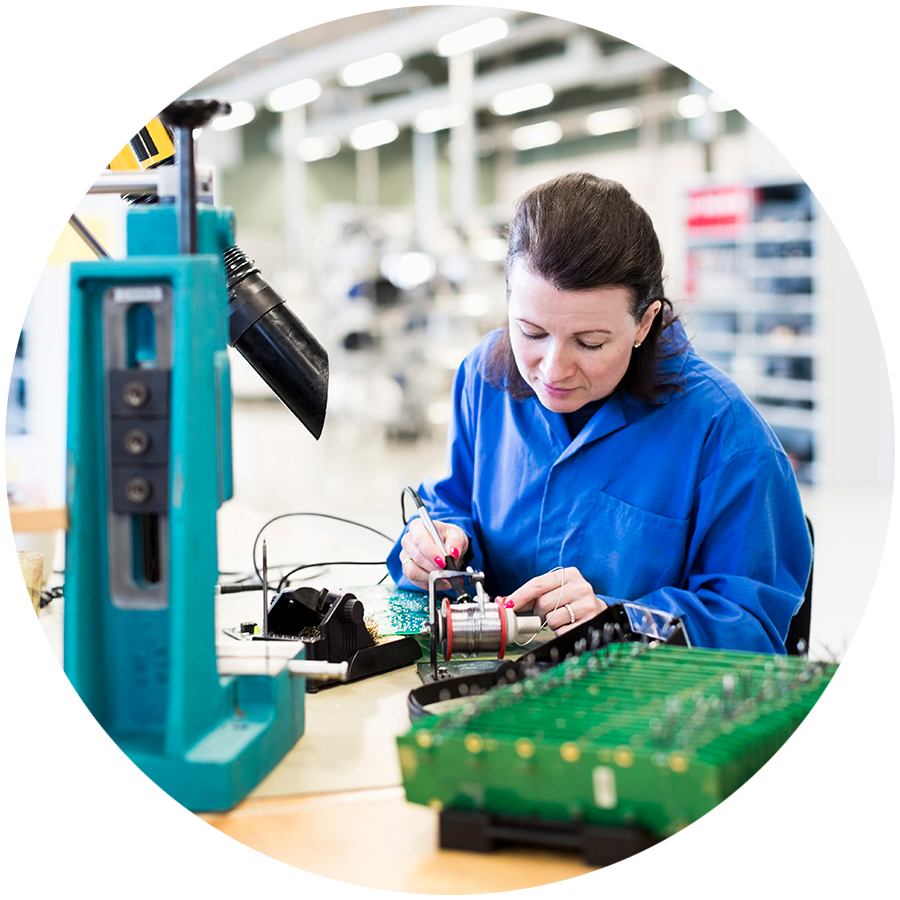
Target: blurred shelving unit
[789, 290]
[753, 305]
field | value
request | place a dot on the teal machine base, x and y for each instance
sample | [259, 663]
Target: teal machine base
[121, 771]
[148, 465]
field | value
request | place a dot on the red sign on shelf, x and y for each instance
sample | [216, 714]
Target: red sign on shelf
[721, 209]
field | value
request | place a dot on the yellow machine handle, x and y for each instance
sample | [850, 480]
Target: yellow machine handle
[104, 83]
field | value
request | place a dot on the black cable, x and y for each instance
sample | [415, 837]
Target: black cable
[243, 575]
[244, 583]
[416, 499]
[238, 588]
[246, 577]
[284, 578]
[321, 515]
[50, 594]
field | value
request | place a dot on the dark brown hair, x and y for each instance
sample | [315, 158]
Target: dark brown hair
[581, 232]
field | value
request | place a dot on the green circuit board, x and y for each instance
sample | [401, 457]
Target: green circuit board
[652, 738]
[394, 611]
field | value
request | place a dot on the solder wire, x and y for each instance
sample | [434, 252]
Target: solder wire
[555, 608]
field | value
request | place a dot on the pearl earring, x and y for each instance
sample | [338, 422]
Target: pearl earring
[637, 344]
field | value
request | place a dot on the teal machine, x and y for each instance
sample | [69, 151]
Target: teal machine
[149, 464]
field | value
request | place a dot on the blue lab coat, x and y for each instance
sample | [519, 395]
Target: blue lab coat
[689, 506]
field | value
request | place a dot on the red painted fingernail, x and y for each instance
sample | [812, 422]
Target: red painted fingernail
[454, 552]
[439, 562]
[509, 604]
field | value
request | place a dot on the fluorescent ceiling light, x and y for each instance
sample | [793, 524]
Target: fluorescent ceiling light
[492, 249]
[320, 147]
[475, 304]
[163, 28]
[16, 113]
[292, 95]
[541, 134]
[372, 69]
[474, 36]
[717, 103]
[242, 112]
[823, 82]
[574, 9]
[374, 134]
[876, 17]
[608, 121]
[439, 412]
[440, 117]
[691, 106]
[520, 99]
[48, 93]
[726, 52]
[408, 270]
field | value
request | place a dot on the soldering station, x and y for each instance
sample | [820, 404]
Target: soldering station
[617, 738]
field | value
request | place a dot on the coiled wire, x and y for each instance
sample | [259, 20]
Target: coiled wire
[471, 628]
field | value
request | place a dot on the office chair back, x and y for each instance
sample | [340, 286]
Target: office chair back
[797, 641]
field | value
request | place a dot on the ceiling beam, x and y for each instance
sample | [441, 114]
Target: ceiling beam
[407, 37]
[578, 67]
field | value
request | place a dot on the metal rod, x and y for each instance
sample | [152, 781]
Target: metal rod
[265, 575]
[187, 190]
[16, 153]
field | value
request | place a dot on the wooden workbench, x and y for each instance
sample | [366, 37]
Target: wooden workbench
[38, 518]
[332, 819]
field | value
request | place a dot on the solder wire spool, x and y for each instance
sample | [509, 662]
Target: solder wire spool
[720, 715]
[473, 628]
[469, 629]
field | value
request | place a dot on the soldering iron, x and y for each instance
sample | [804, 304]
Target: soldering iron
[467, 626]
[450, 561]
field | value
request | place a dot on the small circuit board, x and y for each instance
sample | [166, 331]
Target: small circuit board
[394, 611]
[631, 736]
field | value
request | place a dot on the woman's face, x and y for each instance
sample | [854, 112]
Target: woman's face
[571, 347]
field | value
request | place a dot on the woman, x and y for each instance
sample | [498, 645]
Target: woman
[594, 457]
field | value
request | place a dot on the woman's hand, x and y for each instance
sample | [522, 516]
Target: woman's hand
[562, 598]
[420, 555]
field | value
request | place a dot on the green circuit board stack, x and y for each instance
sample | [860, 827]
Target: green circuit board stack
[630, 736]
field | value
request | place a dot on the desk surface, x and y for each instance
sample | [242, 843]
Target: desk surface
[332, 818]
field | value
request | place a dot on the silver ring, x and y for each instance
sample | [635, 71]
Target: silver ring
[571, 614]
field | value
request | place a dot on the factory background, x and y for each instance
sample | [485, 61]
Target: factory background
[373, 193]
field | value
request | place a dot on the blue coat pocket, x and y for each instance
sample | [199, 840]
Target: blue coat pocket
[626, 552]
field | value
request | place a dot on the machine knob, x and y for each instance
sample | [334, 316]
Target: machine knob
[352, 611]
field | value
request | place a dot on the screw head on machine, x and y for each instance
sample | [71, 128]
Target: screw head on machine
[137, 441]
[135, 394]
[138, 490]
